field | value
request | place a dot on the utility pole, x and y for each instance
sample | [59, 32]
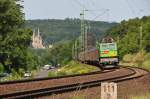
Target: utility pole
[82, 32]
[141, 34]
[73, 51]
[82, 29]
[86, 38]
[76, 49]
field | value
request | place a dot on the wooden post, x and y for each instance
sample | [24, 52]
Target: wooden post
[108, 90]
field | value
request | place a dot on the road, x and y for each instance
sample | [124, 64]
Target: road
[43, 73]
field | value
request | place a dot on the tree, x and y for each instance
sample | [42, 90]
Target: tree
[127, 35]
[14, 40]
[61, 53]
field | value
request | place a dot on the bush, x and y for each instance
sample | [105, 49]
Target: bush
[146, 64]
[1, 68]
[147, 56]
[77, 97]
[138, 59]
[52, 74]
[73, 68]
[146, 96]
[128, 58]
[21, 72]
[14, 76]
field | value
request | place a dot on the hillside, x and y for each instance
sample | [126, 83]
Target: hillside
[132, 35]
[53, 30]
[133, 38]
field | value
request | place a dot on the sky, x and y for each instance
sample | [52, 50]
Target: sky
[99, 10]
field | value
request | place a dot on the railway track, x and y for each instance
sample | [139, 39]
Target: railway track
[58, 85]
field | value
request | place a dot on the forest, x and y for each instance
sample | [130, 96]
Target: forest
[132, 35]
[55, 30]
[133, 39]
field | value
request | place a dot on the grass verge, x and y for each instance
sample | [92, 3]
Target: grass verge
[73, 68]
[140, 59]
[146, 96]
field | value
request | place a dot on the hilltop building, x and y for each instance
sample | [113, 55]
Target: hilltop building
[37, 41]
[50, 46]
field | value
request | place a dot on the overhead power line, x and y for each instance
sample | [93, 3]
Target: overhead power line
[130, 6]
[106, 10]
[80, 4]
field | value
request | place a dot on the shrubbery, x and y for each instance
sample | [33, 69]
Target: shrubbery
[1, 68]
[128, 58]
[146, 96]
[127, 35]
[140, 59]
[146, 64]
[15, 75]
[73, 68]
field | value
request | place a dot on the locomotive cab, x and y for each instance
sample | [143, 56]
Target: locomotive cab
[108, 53]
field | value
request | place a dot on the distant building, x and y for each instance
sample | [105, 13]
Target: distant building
[37, 41]
[50, 46]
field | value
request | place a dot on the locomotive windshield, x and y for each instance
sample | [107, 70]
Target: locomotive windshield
[112, 46]
[108, 46]
[103, 47]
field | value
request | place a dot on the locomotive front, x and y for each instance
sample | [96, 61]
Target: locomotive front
[108, 53]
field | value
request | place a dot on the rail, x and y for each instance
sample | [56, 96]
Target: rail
[70, 87]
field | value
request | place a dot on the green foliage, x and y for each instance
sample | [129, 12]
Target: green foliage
[140, 59]
[14, 40]
[73, 68]
[32, 61]
[147, 56]
[128, 58]
[52, 74]
[1, 68]
[146, 96]
[39, 56]
[127, 35]
[62, 73]
[146, 64]
[21, 72]
[60, 30]
[15, 75]
[60, 53]
[12, 78]
[77, 97]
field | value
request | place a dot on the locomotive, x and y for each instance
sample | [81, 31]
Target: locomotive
[105, 54]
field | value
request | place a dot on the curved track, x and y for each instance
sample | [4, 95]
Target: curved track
[44, 87]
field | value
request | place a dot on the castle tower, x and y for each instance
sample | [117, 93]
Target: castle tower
[37, 40]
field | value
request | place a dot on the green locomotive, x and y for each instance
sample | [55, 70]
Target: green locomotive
[108, 53]
[105, 54]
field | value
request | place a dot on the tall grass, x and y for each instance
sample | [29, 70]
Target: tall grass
[1, 68]
[140, 59]
[73, 68]
[14, 75]
[17, 75]
[146, 96]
